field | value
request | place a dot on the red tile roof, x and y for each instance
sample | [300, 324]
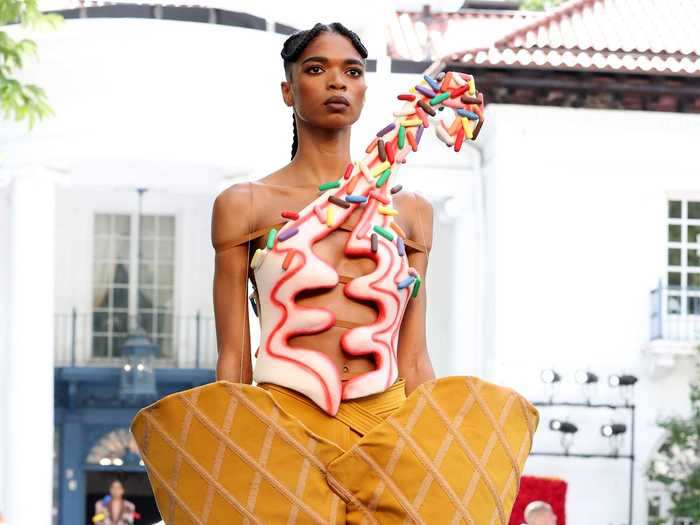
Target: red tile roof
[411, 37]
[638, 36]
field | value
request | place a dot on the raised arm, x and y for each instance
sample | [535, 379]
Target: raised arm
[232, 220]
[413, 358]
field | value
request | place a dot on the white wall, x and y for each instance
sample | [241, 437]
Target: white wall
[576, 215]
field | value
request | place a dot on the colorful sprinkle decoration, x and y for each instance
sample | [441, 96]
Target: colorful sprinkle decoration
[404, 283]
[382, 179]
[469, 114]
[356, 198]
[400, 246]
[380, 168]
[287, 260]
[329, 185]
[271, 239]
[291, 215]
[402, 137]
[425, 91]
[416, 287]
[286, 234]
[257, 259]
[338, 202]
[439, 98]
[385, 130]
[384, 233]
[348, 170]
[433, 83]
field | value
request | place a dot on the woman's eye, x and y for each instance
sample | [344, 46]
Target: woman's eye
[317, 69]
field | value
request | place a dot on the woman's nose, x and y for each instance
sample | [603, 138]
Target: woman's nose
[336, 80]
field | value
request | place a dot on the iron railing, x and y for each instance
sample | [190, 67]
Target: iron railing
[675, 314]
[193, 342]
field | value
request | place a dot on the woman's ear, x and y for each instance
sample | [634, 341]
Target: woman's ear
[287, 93]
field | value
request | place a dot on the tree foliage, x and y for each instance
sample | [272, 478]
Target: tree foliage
[539, 5]
[677, 463]
[20, 100]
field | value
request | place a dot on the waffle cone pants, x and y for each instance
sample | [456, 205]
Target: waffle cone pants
[451, 452]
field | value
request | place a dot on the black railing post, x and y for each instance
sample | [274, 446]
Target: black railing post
[656, 321]
[74, 318]
[196, 344]
[633, 455]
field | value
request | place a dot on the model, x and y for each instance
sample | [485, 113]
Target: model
[113, 509]
[346, 422]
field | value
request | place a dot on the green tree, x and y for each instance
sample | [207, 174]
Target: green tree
[677, 463]
[19, 100]
[539, 5]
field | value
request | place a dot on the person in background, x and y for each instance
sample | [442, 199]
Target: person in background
[113, 509]
[539, 513]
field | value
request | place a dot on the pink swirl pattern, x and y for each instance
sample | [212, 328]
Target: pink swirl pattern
[289, 265]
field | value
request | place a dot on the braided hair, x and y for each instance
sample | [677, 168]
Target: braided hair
[294, 46]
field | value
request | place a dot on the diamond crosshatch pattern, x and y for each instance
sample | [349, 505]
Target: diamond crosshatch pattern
[227, 453]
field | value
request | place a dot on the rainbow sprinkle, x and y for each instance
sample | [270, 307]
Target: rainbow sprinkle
[404, 283]
[329, 185]
[271, 239]
[384, 233]
[382, 179]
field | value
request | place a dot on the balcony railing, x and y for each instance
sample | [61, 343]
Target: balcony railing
[675, 314]
[193, 342]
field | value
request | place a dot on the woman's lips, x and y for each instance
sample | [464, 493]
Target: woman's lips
[337, 103]
[336, 106]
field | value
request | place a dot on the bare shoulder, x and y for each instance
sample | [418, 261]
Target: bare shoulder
[419, 211]
[233, 213]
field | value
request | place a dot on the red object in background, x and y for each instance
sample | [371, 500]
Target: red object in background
[549, 490]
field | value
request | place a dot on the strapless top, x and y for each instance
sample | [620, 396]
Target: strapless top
[288, 265]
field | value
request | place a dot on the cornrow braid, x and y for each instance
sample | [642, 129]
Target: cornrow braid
[294, 46]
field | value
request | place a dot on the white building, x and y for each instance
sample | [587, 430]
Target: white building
[550, 231]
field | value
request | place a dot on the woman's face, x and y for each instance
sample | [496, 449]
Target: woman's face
[116, 490]
[330, 66]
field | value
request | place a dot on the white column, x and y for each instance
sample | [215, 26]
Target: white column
[30, 427]
[466, 282]
[4, 326]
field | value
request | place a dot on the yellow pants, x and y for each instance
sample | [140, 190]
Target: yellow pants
[354, 418]
[451, 452]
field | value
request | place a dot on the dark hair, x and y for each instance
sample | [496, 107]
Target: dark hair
[294, 46]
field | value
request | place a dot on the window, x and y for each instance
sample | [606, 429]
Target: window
[653, 509]
[157, 279]
[683, 257]
[110, 307]
[133, 281]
